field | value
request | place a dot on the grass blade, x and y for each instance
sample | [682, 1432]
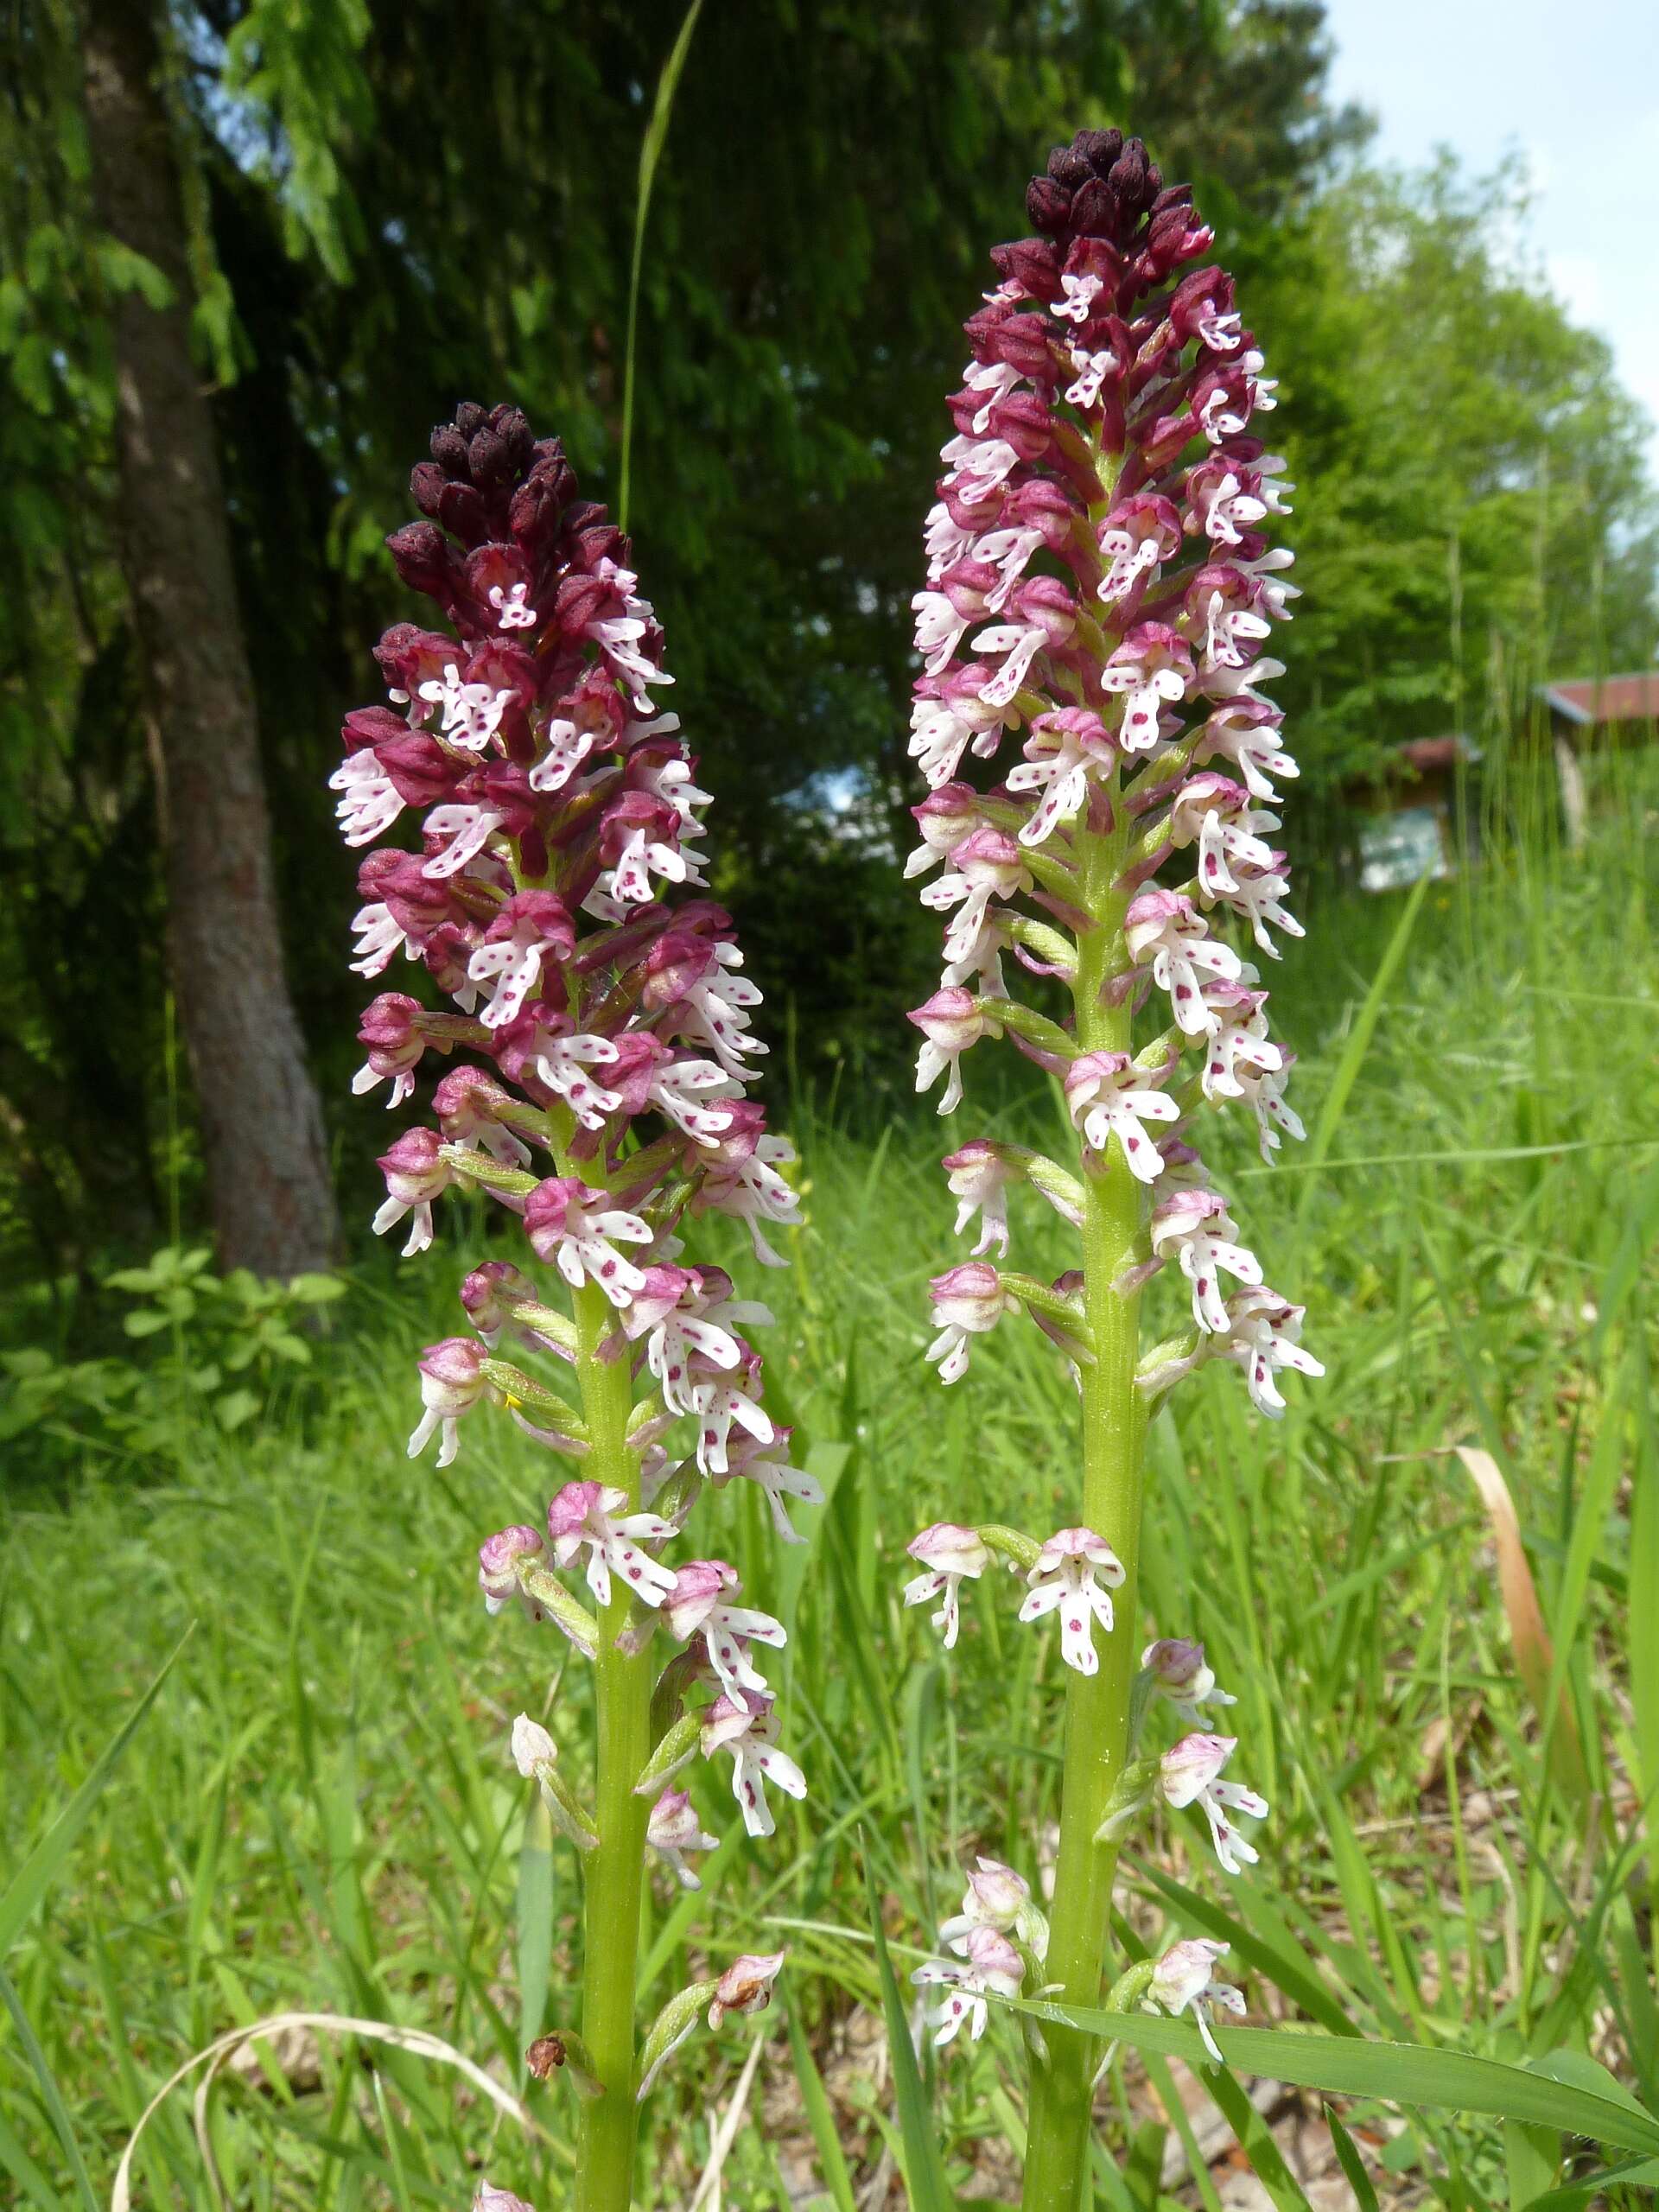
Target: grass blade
[815, 2103]
[1643, 1622]
[535, 1917]
[1394, 2073]
[650, 154]
[1352, 2165]
[38, 1871]
[925, 2177]
[56, 2110]
[1633, 2173]
[1358, 1043]
[1255, 2139]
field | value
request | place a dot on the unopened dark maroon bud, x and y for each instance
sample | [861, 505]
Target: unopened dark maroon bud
[422, 555]
[1172, 195]
[449, 451]
[372, 726]
[1032, 264]
[489, 459]
[1095, 210]
[512, 426]
[470, 416]
[462, 509]
[533, 518]
[603, 542]
[426, 484]
[1099, 149]
[420, 770]
[1069, 167]
[1022, 341]
[555, 472]
[1127, 177]
[582, 600]
[1048, 205]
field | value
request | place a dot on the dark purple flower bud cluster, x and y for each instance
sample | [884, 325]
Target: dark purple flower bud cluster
[556, 810]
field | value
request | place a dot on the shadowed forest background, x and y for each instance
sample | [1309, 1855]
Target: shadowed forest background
[383, 209]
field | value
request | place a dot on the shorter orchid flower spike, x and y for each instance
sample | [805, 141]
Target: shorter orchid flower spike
[1177, 1672]
[967, 1301]
[997, 1897]
[1184, 1981]
[1069, 1569]
[674, 1829]
[452, 1382]
[950, 1555]
[1189, 1774]
[745, 1725]
[745, 1986]
[992, 1965]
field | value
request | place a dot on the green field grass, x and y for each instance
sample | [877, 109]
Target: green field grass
[319, 1812]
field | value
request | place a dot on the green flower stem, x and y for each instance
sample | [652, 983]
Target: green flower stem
[1097, 1705]
[615, 1869]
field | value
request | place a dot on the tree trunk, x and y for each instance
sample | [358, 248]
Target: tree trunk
[267, 1166]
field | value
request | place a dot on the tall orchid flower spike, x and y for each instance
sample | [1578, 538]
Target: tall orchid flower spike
[1094, 728]
[585, 1007]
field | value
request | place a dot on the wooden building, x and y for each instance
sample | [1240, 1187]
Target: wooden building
[1408, 811]
[1595, 710]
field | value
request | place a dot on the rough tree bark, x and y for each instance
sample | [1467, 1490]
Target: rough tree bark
[267, 1166]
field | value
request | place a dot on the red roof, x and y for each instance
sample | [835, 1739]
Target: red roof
[1424, 756]
[1607, 698]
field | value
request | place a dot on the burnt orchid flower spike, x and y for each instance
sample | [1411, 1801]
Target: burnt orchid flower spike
[1101, 756]
[535, 874]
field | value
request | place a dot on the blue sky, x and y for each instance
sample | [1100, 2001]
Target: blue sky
[1575, 89]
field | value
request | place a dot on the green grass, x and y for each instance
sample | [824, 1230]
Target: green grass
[318, 1811]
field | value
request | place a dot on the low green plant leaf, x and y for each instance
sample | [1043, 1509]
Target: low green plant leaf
[33, 1879]
[57, 2111]
[1633, 2173]
[926, 2182]
[1352, 2165]
[1394, 2072]
[1256, 2138]
[814, 2105]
